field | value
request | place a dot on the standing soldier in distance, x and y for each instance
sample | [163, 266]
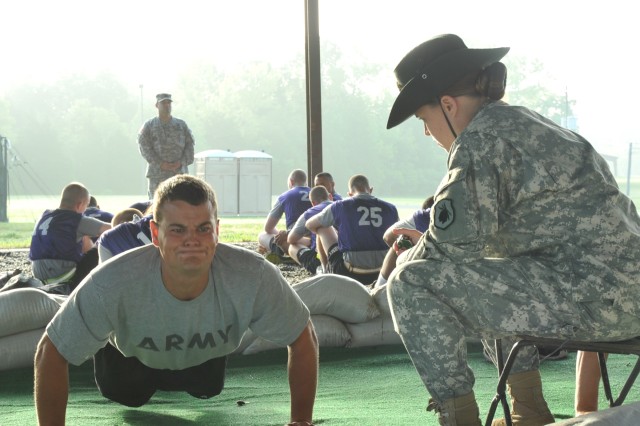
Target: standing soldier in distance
[166, 143]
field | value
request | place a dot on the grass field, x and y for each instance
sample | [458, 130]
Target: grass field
[23, 212]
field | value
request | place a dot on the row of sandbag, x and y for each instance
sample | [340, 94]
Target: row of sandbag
[24, 314]
[343, 311]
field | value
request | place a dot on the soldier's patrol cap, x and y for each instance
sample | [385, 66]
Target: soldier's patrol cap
[163, 97]
[432, 67]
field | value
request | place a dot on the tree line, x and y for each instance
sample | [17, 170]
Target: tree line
[84, 127]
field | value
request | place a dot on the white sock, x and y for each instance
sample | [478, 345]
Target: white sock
[380, 281]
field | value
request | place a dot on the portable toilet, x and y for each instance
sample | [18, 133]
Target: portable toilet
[220, 169]
[254, 182]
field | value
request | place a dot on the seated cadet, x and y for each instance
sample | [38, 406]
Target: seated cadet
[126, 215]
[143, 206]
[126, 235]
[94, 210]
[291, 204]
[325, 179]
[302, 242]
[61, 249]
[357, 249]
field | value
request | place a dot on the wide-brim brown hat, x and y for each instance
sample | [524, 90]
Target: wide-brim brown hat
[432, 67]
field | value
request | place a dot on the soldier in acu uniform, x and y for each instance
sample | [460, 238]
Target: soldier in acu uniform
[166, 143]
[529, 234]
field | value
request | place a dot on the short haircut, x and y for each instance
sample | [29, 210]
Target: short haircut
[187, 188]
[93, 202]
[72, 194]
[299, 177]
[359, 183]
[126, 215]
[324, 175]
[318, 194]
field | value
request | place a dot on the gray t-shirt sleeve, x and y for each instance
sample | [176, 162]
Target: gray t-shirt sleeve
[104, 253]
[299, 228]
[89, 226]
[407, 223]
[325, 217]
[76, 333]
[277, 211]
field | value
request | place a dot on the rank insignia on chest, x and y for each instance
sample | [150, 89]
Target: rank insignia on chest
[443, 214]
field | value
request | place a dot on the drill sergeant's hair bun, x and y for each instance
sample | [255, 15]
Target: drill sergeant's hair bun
[492, 81]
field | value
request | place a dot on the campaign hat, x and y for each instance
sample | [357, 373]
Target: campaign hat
[432, 67]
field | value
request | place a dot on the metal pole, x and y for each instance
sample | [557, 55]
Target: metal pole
[629, 171]
[141, 107]
[144, 178]
[314, 104]
[4, 178]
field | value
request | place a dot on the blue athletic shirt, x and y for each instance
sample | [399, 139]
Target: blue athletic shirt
[421, 219]
[55, 236]
[361, 221]
[292, 204]
[309, 214]
[125, 236]
[98, 214]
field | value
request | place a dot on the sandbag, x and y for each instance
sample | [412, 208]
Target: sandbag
[379, 295]
[26, 309]
[330, 332]
[7, 275]
[338, 296]
[18, 350]
[21, 281]
[378, 331]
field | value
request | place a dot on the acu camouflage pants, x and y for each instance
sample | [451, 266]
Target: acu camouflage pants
[437, 304]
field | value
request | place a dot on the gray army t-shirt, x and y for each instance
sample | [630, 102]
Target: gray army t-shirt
[124, 301]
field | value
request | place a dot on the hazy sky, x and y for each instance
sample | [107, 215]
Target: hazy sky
[590, 50]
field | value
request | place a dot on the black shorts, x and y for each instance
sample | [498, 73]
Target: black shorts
[309, 260]
[337, 266]
[129, 382]
[274, 248]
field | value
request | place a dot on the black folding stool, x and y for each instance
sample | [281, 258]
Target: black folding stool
[625, 347]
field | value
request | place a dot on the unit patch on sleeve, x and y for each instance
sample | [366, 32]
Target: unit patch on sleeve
[444, 214]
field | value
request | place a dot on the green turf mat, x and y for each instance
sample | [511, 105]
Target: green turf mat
[357, 386]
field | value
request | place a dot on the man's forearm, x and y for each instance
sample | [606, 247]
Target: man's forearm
[303, 374]
[270, 225]
[51, 388]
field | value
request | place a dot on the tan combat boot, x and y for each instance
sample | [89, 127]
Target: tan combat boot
[528, 407]
[459, 411]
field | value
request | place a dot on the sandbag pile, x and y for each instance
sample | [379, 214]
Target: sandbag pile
[344, 313]
[24, 314]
